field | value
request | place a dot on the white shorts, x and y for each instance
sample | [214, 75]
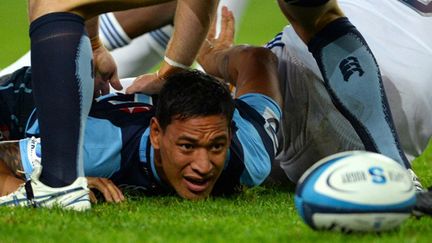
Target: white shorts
[313, 128]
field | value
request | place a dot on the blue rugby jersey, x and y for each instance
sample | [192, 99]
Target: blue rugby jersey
[117, 144]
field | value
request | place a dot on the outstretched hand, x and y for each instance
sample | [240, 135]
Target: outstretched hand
[110, 191]
[105, 72]
[212, 46]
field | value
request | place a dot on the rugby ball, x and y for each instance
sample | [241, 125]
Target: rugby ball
[355, 191]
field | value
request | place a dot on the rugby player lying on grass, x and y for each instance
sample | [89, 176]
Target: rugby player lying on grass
[196, 139]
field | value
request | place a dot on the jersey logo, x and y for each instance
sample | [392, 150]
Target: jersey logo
[272, 127]
[349, 66]
[136, 109]
[424, 7]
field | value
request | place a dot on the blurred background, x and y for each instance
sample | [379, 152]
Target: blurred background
[260, 22]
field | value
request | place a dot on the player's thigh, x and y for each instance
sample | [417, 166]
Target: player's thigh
[84, 8]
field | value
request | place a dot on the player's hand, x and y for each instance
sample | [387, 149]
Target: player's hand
[110, 191]
[152, 83]
[105, 72]
[212, 46]
[147, 83]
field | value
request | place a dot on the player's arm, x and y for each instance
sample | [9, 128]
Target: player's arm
[192, 21]
[10, 159]
[191, 24]
[109, 190]
[104, 65]
[253, 71]
[250, 69]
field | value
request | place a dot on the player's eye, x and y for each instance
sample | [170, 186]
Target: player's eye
[186, 146]
[217, 147]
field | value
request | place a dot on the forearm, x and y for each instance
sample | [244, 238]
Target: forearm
[192, 21]
[10, 158]
[92, 27]
[9, 183]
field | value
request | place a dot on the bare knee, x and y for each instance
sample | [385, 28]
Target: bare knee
[84, 8]
[38, 8]
[307, 21]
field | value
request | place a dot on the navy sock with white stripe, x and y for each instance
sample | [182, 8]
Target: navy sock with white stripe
[353, 79]
[61, 58]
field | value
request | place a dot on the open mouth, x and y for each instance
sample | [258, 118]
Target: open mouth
[196, 185]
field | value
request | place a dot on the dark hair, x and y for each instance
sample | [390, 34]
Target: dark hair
[190, 94]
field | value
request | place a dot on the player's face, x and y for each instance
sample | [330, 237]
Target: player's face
[190, 154]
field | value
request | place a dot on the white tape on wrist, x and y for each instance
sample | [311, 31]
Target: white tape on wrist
[174, 63]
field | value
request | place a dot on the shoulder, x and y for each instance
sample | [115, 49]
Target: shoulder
[254, 144]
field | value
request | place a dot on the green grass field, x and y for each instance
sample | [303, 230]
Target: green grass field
[259, 215]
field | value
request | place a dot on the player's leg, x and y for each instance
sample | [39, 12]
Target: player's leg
[84, 8]
[16, 106]
[135, 47]
[143, 53]
[119, 28]
[350, 72]
[62, 76]
[62, 80]
[312, 127]
[237, 7]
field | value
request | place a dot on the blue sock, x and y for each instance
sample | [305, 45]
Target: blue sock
[61, 59]
[353, 79]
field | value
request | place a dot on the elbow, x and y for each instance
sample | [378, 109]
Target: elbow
[259, 56]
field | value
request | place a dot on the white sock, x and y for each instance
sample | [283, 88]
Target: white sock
[236, 6]
[111, 33]
[143, 53]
